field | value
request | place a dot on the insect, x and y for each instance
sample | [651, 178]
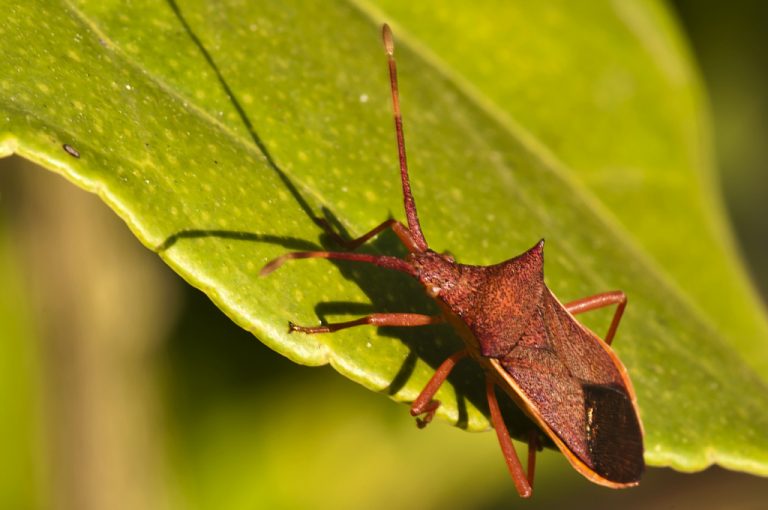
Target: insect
[562, 375]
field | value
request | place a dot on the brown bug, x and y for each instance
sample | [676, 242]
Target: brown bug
[562, 375]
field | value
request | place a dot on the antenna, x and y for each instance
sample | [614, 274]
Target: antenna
[408, 202]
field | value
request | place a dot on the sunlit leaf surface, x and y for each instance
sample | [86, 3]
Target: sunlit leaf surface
[220, 131]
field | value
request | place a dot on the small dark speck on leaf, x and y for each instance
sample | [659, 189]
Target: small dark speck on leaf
[71, 150]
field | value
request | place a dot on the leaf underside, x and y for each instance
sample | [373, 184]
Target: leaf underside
[220, 132]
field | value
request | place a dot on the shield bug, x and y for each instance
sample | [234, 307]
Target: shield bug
[561, 374]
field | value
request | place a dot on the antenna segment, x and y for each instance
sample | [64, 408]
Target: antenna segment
[410, 205]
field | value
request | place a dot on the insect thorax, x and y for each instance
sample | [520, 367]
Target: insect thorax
[495, 302]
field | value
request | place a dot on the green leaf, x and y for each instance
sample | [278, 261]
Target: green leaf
[220, 132]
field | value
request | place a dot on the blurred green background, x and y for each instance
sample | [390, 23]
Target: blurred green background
[122, 387]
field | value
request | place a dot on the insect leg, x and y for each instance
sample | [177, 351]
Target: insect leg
[400, 230]
[424, 403]
[375, 319]
[513, 462]
[586, 304]
[378, 260]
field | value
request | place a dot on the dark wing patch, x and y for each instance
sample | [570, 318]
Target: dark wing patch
[614, 438]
